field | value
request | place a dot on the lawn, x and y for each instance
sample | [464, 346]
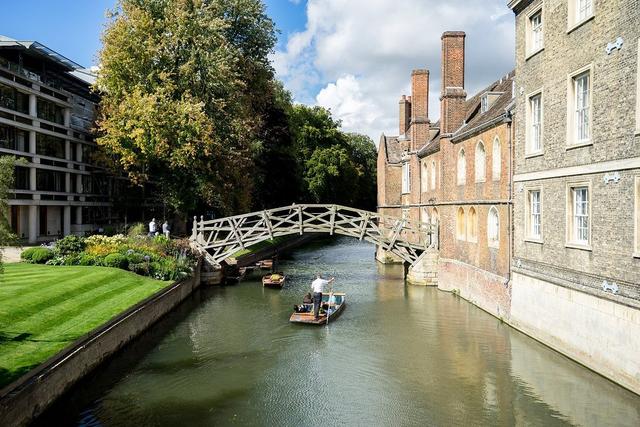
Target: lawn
[45, 308]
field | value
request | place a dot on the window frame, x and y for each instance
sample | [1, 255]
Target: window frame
[493, 243]
[424, 179]
[528, 235]
[572, 141]
[529, 151]
[476, 162]
[573, 21]
[570, 239]
[472, 225]
[406, 178]
[461, 169]
[530, 50]
[496, 172]
[433, 175]
[461, 224]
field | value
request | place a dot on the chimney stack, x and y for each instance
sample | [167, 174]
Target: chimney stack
[452, 95]
[419, 108]
[405, 114]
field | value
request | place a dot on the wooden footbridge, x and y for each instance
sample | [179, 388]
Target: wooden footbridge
[223, 237]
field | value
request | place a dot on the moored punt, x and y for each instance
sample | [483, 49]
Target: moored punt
[235, 276]
[335, 308]
[275, 280]
[266, 264]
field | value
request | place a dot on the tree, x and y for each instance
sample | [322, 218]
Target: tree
[179, 105]
[363, 153]
[7, 168]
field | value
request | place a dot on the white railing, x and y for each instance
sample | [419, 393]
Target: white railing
[223, 237]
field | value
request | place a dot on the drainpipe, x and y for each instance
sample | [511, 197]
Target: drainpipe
[509, 121]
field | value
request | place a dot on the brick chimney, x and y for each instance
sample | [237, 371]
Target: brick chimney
[405, 114]
[419, 108]
[452, 94]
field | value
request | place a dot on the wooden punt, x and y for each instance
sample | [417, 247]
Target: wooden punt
[266, 264]
[269, 281]
[335, 309]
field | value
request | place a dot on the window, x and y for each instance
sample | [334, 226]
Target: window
[493, 228]
[534, 32]
[579, 114]
[481, 160]
[405, 213]
[578, 212]
[406, 178]
[14, 100]
[47, 180]
[496, 159]
[13, 139]
[484, 104]
[534, 214]
[424, 213]
[580, 11]
[472, 227]
[462, 167]
[47, 110]
[47, 145]
[582, 107]
[21, 178]
[433, 174]
[584, 10]
[460, 224]
[424, 184]
[534, 145]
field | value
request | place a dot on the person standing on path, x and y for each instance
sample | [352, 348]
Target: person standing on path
[317, 286]
[165, 229]
[153, 227]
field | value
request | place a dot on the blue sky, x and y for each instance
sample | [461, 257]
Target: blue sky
[352, 56]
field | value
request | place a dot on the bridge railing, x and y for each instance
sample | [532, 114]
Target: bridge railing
[224, 236]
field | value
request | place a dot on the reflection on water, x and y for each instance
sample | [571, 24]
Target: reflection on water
[398, 355]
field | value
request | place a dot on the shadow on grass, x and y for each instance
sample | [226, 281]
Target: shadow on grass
[7, 376]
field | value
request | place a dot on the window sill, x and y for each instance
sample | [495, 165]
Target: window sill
[578, 145]
[480, 181]
[636, 254]
[580, 246]
[533, 53]
[580, 24]
[534, 154]
[493, 245]
[637, 132]
[534, 240]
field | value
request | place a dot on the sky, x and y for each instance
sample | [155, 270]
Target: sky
[352, 56]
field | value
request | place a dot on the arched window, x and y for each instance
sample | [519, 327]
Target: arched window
[434, 216]
[425, 214]
[472, 225]
[462, 167]
[433, 174]
[493, 227]
[425, 176]
[496, 159]
[481, 161]
[460, 225]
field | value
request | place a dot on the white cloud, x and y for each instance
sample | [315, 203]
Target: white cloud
[356, 56]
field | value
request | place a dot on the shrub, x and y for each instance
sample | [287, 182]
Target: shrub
[116, 260]
[88, 259]
[140, 268]
[69, 245]
[72, 259]
[39, 255]
[56, 260]
[137, 229]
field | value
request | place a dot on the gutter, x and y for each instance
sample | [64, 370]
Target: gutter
[479, 129]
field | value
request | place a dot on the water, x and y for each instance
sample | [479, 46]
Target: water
[398, 355]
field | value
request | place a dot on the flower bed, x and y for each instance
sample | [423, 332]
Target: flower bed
[157, 257]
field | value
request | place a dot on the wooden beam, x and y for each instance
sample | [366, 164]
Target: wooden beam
[300, 219]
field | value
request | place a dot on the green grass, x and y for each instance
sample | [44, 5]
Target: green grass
[45, 308]
[261, 245]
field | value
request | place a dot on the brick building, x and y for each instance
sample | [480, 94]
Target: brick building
[576, 261]
[457, 176]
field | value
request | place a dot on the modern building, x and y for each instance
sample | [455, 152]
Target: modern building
[576, 262]
[456, 174]
[47, 116]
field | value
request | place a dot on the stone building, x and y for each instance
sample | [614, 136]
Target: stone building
[459, 179]
[47, 117]
[576, 261]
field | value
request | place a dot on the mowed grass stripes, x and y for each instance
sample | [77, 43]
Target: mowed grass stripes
[45, 308]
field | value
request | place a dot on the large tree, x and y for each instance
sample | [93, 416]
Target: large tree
[184, 86]
[7, 168]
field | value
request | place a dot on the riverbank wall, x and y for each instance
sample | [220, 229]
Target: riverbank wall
[597, 329]
[26, 398]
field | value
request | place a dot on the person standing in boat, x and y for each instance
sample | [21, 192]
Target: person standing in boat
[317, 286]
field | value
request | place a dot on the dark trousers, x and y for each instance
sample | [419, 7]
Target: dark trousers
[317, 300]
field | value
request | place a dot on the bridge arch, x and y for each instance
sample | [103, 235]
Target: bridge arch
[223, 237]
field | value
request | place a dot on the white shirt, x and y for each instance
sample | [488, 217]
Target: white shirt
[318, 284]
[153, 227]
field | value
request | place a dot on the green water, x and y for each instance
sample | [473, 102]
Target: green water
[398, 355]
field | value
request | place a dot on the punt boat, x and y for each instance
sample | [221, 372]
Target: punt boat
[275, 280]
[334, 307]
[266, 264]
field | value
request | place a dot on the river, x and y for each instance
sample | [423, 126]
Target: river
[398, 355]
